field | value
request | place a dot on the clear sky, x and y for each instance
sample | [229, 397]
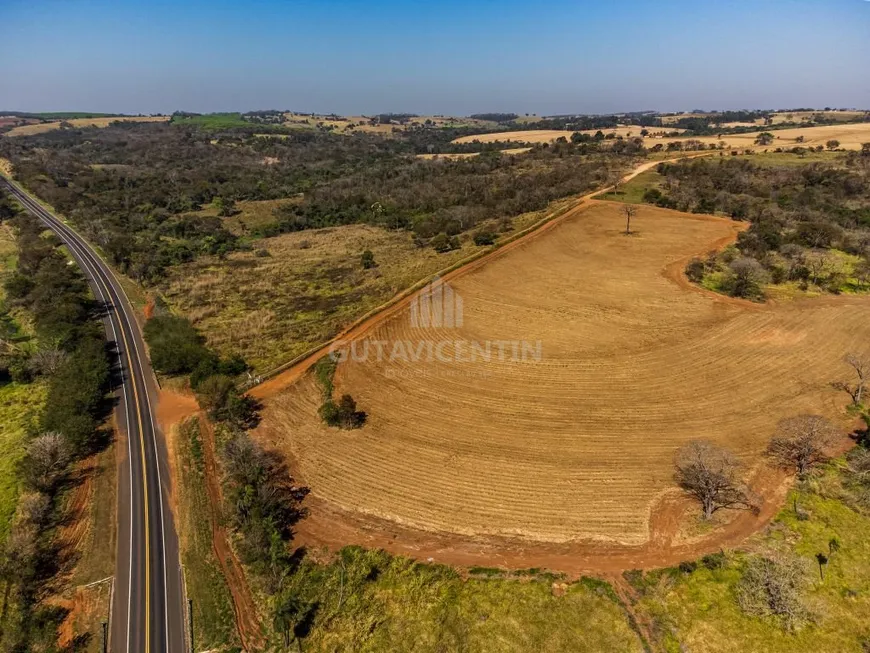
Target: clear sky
[453, 57]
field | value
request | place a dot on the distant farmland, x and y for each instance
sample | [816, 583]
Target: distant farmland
[39, 128]
[851, 136]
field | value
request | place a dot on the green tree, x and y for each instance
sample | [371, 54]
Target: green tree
[176, 347]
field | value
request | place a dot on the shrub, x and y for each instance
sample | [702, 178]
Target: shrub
[745, 278]
[223, 401]
[343, 414]
[443, 243]
[482, 238]
[176, 347]
[695, 270]
[367, 260]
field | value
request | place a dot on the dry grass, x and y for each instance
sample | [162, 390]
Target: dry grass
[851, 137]
[342, 124]
[778, 117]
[312, 284]
[467, 155]
[579, 445]
[5, 167]
[530, 136]
[250, 214]
[39, 128]
[550, 135]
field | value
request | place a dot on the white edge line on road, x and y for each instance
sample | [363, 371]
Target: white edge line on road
[85, 264]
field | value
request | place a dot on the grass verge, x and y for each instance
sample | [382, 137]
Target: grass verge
[366, 600]
[213, 618]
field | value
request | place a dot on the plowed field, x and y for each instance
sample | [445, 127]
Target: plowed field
[578, 444]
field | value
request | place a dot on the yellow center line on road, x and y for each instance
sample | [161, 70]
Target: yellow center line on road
[101, 282]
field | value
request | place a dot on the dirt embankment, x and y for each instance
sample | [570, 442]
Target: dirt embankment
[173, 408]
[244, 607]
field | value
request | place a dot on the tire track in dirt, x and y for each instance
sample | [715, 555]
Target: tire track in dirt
[639, 622]
[247, 621]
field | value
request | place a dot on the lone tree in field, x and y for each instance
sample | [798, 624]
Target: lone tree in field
[629, 211]
[861, 364]
[802, 442]
[711, 475]
[833, 144]
[765, 138]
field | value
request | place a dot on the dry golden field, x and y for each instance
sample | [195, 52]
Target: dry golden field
[579, 444]
[780, 116]
[309, 285]
[550, 135]
[467, 155]
[39, 128]
[851, 136]
[341, 124]
[530, 136]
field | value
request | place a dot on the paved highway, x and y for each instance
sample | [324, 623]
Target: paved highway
[148, 611]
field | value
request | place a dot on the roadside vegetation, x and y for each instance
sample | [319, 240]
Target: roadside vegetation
[213, 617]
[62, 360]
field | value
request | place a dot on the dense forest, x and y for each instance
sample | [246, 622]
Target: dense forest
[133, 188]
[809, 224]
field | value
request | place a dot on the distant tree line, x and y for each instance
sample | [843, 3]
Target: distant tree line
[134, 189]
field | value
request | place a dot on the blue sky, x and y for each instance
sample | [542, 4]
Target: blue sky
[433, 57]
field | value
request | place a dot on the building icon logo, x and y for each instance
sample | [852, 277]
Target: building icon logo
[436, 306]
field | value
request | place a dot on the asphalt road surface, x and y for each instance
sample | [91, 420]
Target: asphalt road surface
[148, 611]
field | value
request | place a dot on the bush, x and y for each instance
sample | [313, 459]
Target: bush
[368, 260]
[687, 567]
[223, 401]
[443, 243]
[482, 238]
[744, 279]
[695, 270]
[343, 414]
[176, 347]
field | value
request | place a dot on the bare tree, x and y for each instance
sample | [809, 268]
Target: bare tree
[47, 458]
[802, 442]
[47, 361]
[772, 586]
[711, 475]
[33, 508]
[861, 364]
[629, 211]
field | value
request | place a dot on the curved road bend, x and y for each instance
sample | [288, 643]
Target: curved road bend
[148, 611]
